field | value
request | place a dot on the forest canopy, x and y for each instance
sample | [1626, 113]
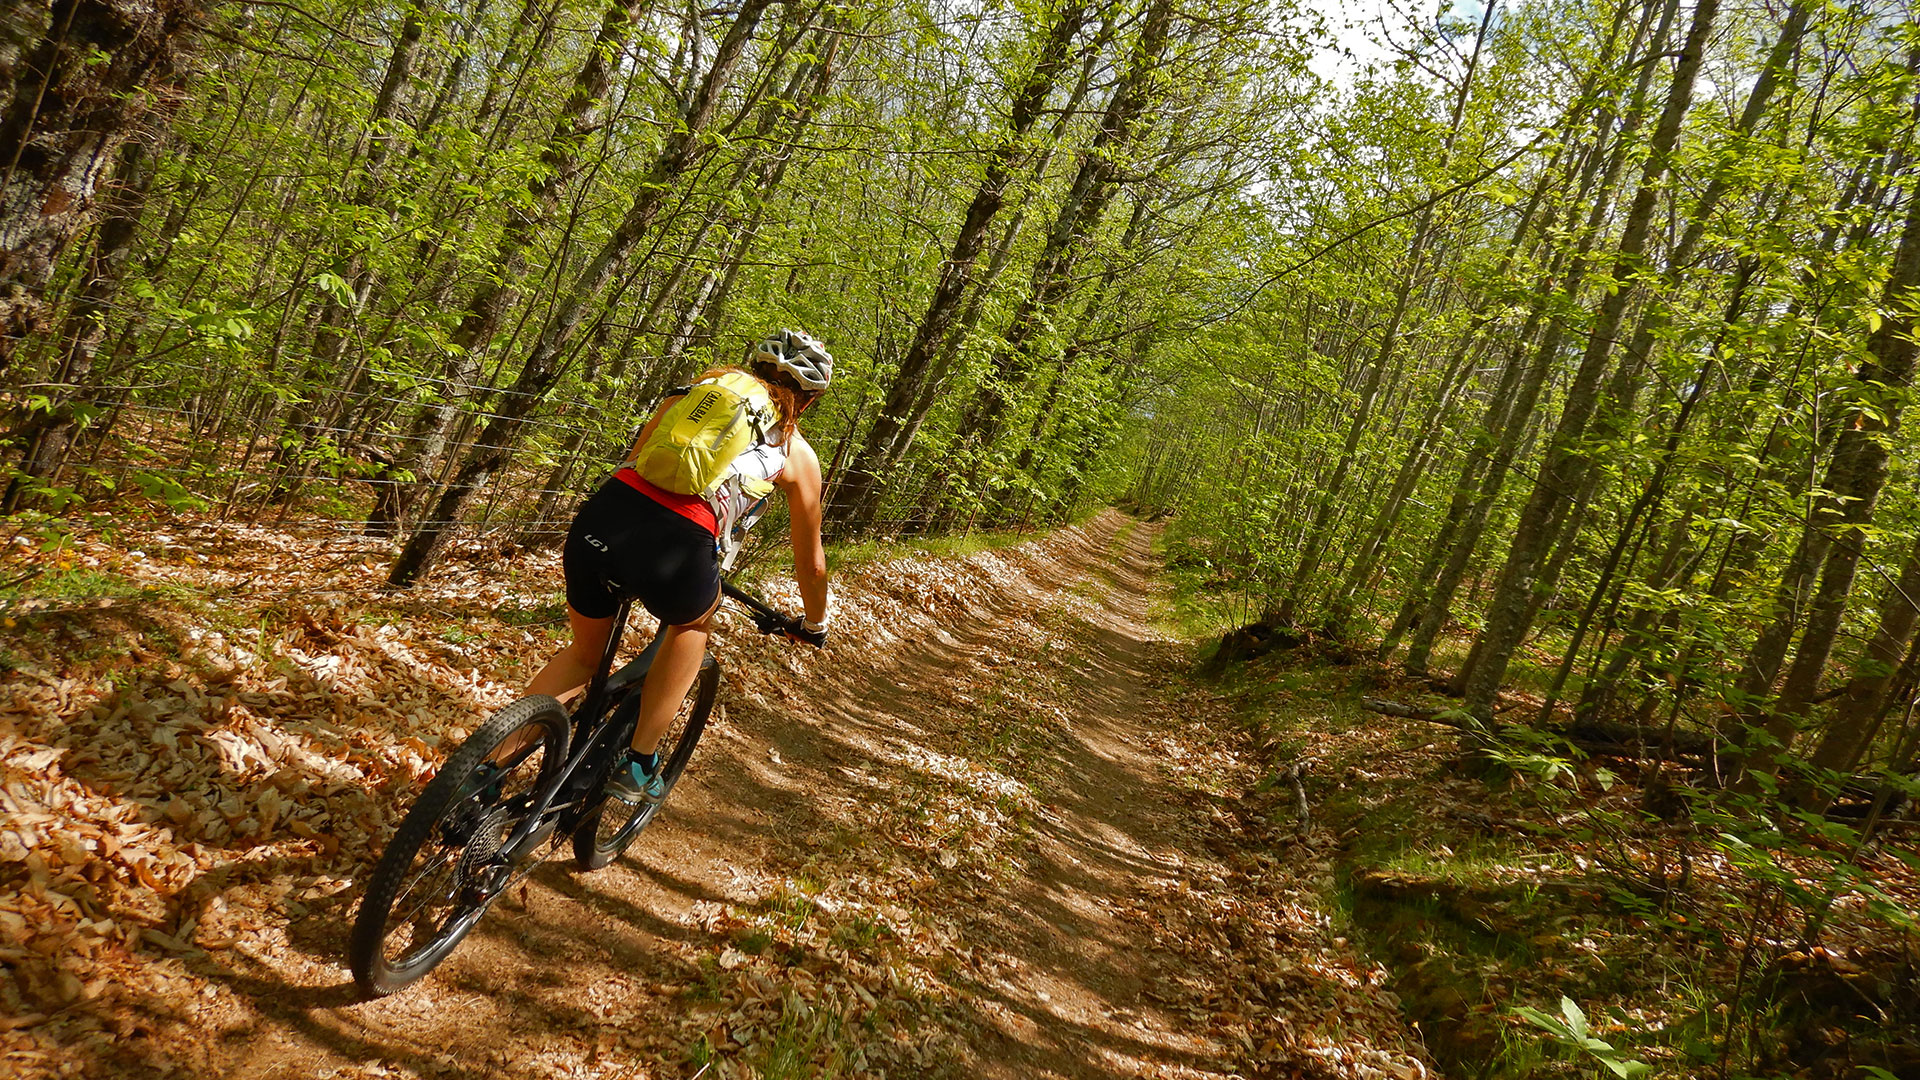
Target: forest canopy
[430, 265]
[1585, 326]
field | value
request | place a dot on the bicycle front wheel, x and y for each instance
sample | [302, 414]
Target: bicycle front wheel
[439, 872]
[606, 831]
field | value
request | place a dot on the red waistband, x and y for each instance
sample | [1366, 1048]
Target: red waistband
[692, 507]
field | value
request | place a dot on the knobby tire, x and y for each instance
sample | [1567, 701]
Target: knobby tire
[422, 897]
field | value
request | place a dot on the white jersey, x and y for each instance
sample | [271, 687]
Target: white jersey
[742, 497]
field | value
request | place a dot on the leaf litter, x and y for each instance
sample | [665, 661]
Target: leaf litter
[193, 781]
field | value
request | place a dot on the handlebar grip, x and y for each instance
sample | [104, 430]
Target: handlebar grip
[766, 619]
[771, 622]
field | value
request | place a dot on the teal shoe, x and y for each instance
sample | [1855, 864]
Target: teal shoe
[632, 782]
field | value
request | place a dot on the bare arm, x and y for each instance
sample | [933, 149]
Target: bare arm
[800, 479]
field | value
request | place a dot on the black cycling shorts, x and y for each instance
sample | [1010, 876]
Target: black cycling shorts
[623, 543]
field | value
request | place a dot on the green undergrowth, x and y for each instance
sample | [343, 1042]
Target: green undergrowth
[767, 553]
[87, 617]
[1192, 607]
[65, 589]
[1493, 903]
[55, 584]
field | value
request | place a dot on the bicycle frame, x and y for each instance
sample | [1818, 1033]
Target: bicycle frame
[594, 705]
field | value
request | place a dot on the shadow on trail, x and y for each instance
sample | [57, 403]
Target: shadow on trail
[1093, 842]
[333, 1022]
[523, 977]
[1064, 975]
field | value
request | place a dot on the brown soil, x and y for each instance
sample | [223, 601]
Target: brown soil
[989, 832]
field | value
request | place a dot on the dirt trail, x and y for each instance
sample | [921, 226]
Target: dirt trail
[1112, 830]
[975, 838]
[1068, 985]
[1073, 996]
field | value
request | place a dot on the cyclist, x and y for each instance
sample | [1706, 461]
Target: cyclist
[667, 549]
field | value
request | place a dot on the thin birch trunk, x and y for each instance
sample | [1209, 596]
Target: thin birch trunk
[1330, 496]
[1565, 463]
[684, 149]
[1854, 479]
[854, 498]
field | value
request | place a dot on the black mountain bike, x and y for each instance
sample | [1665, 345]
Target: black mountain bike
[476, 831]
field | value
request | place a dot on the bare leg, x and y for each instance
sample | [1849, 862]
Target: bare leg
[670, 678]
[570, 670]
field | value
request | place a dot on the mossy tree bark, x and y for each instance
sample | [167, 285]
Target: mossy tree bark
[92, 75]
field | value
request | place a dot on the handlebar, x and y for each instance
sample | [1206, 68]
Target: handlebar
[766, 618]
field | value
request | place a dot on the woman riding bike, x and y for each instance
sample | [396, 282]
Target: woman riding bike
[666, 548]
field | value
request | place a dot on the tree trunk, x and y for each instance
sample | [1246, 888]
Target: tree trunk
[1595, 189]
[854, 498]
[99, 69]
[1329, 496]
[47, 434]
[558, 157]
[1862, 705]
[1374, 542]
[317, 419]
[1854, 478]
[1079, 214]
[1640, 352]
[887, 456]
[761, 177]
[1565, 463]
[683, 150]
[499, 281]
[1648, 505]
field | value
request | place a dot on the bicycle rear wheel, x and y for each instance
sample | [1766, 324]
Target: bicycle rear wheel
[606, 831]
[436, 878]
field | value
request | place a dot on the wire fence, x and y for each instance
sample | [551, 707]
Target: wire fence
[358, 464]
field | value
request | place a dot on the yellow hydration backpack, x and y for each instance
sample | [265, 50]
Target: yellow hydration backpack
[693, 447]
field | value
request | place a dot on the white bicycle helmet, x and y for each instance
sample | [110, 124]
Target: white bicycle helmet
[800, 355]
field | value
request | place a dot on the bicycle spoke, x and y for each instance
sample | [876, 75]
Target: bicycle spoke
[431, 886]
[405, 913]
[613, 825]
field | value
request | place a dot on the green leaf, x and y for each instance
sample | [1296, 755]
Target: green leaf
[335, 287]
[1624, 1068]
[1576, 1020]
[167, 490]
[1550, 1024]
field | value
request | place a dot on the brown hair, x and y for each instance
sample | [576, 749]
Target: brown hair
[788, 398]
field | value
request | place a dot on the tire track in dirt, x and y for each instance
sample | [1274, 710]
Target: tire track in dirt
[1065, 977]
[1068, 986]
[1088, 996]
